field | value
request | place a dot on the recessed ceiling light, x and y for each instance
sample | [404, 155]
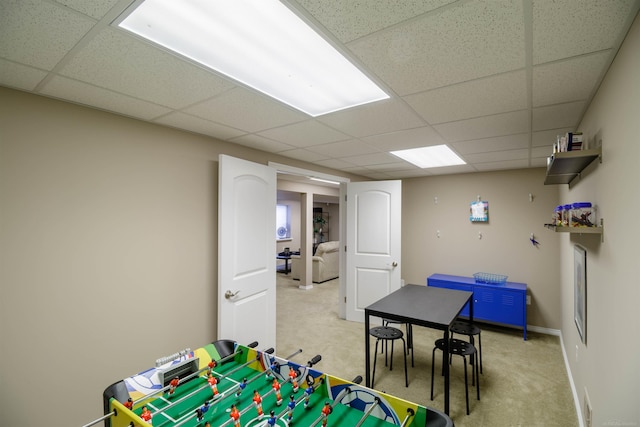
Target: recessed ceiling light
[259, 43]
[430, 157]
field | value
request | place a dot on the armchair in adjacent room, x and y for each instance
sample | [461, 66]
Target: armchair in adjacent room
[325, 265]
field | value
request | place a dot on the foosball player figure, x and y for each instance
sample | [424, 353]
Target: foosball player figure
[207, 424]
[275, 385]
[202, 410]
[213, 383]
[272, 419]
[235, 416]
[211, 365]
[293, 375]
[290, 407]
[241, 387]
[307, 395]
[129, 404]
[326, 410]
[173, 385]
[257, 399]
[146, 414]
[272, 369]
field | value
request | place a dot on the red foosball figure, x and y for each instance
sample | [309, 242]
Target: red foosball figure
[173, 385]
[326, 410]
[293, 375]
[211, 365]
[146, 414]
[235, 416]
[129, 404]
[276, 389]
[257, 399]
[213, 383]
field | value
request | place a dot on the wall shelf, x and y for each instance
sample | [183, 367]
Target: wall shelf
[563, 168]
[579, 230]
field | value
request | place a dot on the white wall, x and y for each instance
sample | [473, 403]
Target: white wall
[607, 366]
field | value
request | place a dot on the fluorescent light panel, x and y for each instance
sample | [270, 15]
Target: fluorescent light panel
[430, 157]
[328, 181]
[261, 44]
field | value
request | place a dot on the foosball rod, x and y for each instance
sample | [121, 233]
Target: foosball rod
[102, 418]
[410, 414]
[195, 374]
[301, 398]
[343, 393]
[376, 402]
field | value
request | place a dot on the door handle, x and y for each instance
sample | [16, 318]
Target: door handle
[394, 264]
[229, 294]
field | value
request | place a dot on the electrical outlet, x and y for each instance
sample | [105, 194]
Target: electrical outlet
[587, 411]
[528, 299]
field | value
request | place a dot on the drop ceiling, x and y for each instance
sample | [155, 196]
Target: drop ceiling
[495, 80]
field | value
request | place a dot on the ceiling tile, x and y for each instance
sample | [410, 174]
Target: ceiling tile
[346, 19]
[547, 138]
[411, 138]
[304, 155]
[379, 117]
[563, 29]
[198, 125]
[482, 97]
[334, 163]
[557, 116]
[94, 8]
[82, 93]
[305, 134]
[119, 62]
[500, 143]
[373, 159]
[497, 156]
[467, 41]
[38, 33]
[351, 147]
[261, 143]
[246, 110]
[567, 81]
[20, 76]
[503, 165]
[542, 151]
[484, 127]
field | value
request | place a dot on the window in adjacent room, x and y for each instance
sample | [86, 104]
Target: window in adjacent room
[283, 222]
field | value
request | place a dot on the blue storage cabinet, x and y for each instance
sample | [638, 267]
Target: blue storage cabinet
[505, 303]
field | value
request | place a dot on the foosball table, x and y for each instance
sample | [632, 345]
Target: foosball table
[228, 384]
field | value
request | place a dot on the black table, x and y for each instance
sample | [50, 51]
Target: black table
[420, 305]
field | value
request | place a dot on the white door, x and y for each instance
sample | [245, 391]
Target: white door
[246, 257]
[373, 243]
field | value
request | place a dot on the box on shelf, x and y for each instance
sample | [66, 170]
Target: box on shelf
[582, 215]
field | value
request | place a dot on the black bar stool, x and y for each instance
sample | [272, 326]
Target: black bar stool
[460, 348]
[409, 329]
[462, 327]
[388, 333]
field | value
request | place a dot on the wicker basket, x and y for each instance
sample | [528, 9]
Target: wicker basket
[494, 279]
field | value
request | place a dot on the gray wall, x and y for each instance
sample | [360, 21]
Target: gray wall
[504, 248]
[606, 368]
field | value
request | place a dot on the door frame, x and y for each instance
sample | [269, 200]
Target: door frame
[292, 170]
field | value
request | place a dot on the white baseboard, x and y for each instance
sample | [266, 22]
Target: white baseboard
[576, 399]
[542, 330]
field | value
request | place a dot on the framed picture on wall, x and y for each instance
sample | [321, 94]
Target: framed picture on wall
[580, 290]
[479, 211]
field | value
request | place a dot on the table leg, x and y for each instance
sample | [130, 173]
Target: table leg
[367, 362]
[445, 364]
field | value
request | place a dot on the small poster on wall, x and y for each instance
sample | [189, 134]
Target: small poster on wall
[479, 211]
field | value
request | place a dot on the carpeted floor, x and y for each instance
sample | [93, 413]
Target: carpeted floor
[524, 383]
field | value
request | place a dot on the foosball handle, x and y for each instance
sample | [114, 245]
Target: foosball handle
[253, 344]
[269, 350]
[357, 380]
[315, 360]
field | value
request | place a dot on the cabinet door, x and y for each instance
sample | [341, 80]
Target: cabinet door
[498, 305]
[456, 286]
